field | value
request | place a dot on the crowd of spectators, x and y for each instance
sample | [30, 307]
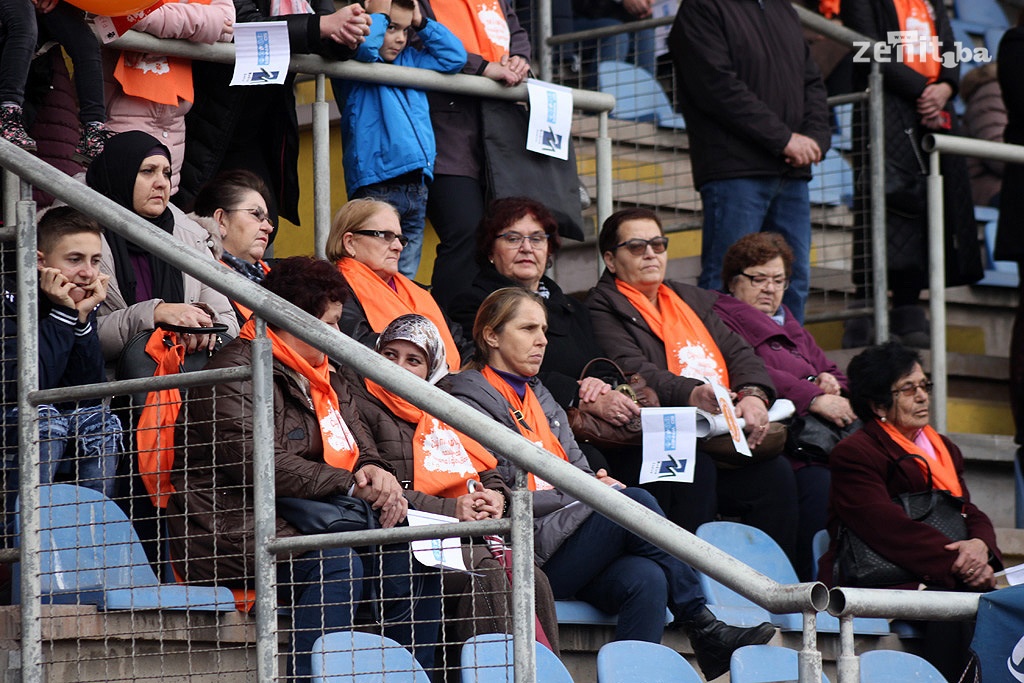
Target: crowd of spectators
[494, 330]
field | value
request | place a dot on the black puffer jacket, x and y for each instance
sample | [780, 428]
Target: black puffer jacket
[747, 82]
[1009, 245]
[220, 112]
[210, 518]
[906, 164]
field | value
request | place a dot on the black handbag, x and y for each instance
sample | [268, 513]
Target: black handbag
[858, 564]
[811, 438]
[514, 171]
[337, 513]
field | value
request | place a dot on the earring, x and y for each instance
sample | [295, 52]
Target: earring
[883, 419]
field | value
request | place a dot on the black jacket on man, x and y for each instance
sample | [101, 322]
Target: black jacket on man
[746, 84]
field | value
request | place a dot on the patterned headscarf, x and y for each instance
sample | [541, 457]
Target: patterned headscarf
[422, 333]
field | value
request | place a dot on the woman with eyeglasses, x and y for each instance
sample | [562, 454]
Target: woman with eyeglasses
[517, 242]
[233, 208]
[366, 242]
[755, 273]
[897, 452]
[668, 332]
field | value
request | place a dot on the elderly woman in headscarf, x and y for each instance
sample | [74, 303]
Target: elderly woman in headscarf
[134, 170]
[445, 472]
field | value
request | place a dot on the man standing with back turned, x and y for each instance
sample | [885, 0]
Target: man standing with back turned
[756, 115]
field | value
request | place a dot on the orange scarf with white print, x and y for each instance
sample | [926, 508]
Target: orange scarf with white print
[382, 304]
[340, 447]
[529, 418]
[479, 24]
[922, 54]
[943, 471]
[443, 459]
[690, 350]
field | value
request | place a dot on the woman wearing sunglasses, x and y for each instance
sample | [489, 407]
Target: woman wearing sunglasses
[897, 452]
[366, 242]
[668, 332]
[233, 208]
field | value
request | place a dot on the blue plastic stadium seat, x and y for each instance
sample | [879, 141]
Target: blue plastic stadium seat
[819, 544]
[488, 659]
[356, 657]
[843, 139]
[579, 612]
[638, 95]
[632, 661]
[890, 666]
[997, 273]
[91, 555]
[832, 181]
[765, 664]
[984, 12]
[758, 550]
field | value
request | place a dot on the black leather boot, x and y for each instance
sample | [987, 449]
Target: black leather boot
[714, 641]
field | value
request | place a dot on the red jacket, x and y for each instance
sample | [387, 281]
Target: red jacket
[861, 497]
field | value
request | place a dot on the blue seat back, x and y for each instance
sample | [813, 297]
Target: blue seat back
[832, 181]
[92, 555]
[985, 12]
[356, 657]
[890, 666]
[638, 95]
[819, 544]
[632, 661]
[488, 659]
[765, 664]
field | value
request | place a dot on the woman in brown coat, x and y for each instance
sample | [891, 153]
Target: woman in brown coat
[446, 472]
[321, 449]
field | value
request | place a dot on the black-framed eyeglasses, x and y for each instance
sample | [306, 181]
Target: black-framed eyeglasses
[637, 247]
[386, 235]
[909, 390]
[761, 281]
[515, 239]
[256, 212]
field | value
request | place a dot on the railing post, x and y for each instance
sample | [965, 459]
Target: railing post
[603, 166]
[879, 259]
[809, 657]
[28, 441]
[524, 630]
[937, 290]
[264, 508]
[543, 24]
[321, 167]
[848, 664]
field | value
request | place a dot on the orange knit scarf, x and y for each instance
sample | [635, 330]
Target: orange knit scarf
[690, 350]
[382, 304]
[479, 24]
[531, 421]
[340, 447]
[944, 475]
[443, 458]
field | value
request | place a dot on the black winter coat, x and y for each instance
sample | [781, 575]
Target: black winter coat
[261, 118]
[1009, 245]
[747, 82]
[906, 164]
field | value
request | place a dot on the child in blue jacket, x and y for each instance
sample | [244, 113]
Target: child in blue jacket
[385, 131]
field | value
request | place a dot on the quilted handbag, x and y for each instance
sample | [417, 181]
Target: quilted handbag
[858, 564]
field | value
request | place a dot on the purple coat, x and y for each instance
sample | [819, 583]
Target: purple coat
[789, 352]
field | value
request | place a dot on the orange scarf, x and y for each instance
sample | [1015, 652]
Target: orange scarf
[479, 24]
[690, 350]
[943, 472]
[529, 417]
[340, 447]
[243, 310]
[383, 304]
[917, 17]
[443, 458]
[154, 434]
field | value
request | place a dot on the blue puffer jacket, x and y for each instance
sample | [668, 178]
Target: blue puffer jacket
[386, 131]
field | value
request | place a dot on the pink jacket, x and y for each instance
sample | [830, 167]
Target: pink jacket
[182, 20]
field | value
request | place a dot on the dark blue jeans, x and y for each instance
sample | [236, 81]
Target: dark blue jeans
[618, 572]
[410, 200]
[327, 585]
[741, 206]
